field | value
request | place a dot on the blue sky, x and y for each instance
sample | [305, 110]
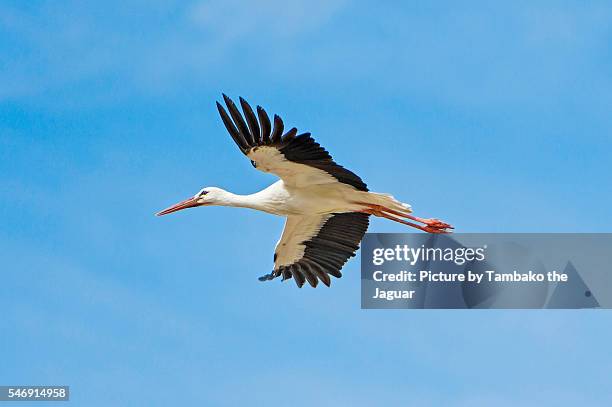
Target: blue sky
[495, 117]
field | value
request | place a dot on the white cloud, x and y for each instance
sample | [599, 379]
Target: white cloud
[472, 57]
[233, 20]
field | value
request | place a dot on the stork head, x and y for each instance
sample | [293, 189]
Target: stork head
[206, 196]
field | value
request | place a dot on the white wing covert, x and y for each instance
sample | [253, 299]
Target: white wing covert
[314, 247]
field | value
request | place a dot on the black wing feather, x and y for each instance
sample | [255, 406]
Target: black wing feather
[231, 129]
[251, 121]
[265, 125]
[277, 130]
[295, 271]
[290, 135]
[240, 123]
[319, 271]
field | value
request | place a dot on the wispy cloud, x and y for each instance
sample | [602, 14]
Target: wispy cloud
[57, 48]
[235, 20]
[466, 56]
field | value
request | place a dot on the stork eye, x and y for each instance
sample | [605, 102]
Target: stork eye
[203, 193]
[254, 164]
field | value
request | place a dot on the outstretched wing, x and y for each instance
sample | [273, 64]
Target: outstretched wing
[297, 159]
[313, 247]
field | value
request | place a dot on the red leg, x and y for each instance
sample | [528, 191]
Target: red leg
[427, 228]
[433, 223]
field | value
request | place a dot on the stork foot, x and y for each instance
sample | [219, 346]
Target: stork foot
[432, 229]
[436, 224]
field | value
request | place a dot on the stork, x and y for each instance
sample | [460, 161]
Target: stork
[326, 206]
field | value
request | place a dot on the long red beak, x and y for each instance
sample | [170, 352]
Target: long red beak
[187, 203]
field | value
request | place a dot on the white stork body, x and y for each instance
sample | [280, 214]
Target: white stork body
[327, 206]
[284, 200]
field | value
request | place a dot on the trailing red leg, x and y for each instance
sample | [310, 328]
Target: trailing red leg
[431, 225]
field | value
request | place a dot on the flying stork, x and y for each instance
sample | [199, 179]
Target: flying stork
[327, 207]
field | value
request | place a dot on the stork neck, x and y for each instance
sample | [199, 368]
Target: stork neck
[241, 201]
